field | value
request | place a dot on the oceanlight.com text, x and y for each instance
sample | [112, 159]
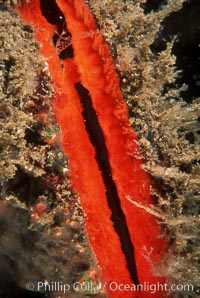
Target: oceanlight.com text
[59, 286]
[149, 287]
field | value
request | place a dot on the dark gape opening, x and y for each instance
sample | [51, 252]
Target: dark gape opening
[118, 218]
[54, 16]
[52, 13]
[61, 42]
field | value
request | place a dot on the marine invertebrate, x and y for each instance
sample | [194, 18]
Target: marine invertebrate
[99, 141]
[167, 126]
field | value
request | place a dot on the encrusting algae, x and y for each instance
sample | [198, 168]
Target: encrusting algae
[36, 196]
